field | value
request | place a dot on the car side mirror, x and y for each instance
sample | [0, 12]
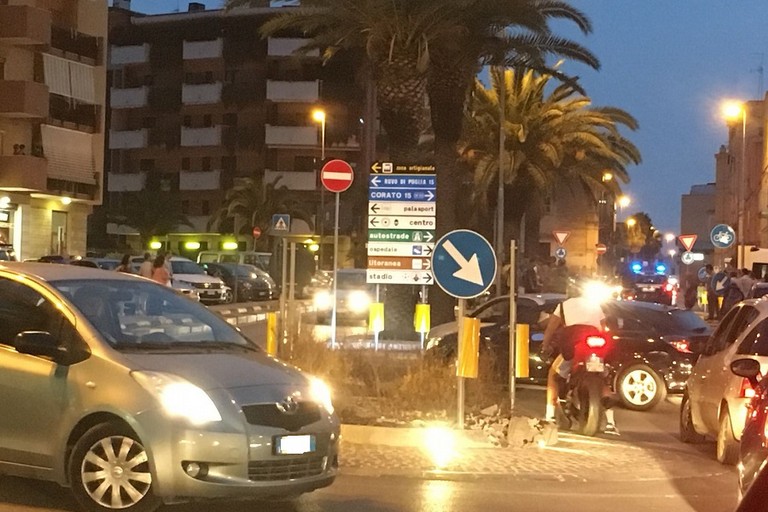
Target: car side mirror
[747, 368]
[38, 343]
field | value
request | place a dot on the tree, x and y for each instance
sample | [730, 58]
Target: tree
[640, 238]
[252, 203]
[152, 213]
[552, 138]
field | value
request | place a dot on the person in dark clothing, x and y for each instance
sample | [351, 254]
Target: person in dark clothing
[713, 309]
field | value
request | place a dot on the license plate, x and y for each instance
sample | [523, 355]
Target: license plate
[294, 445]
[649, 289]
[595, 364]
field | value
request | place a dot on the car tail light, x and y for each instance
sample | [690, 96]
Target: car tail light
[681, 345]
[596, 341]
[746, 391]
[669, 287]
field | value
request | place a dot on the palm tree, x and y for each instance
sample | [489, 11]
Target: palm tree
[152, 213]
[551, 138]
[252, 203]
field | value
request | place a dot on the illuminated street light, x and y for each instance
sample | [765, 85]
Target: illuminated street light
[624, 201]
[669, 237]
[607, 176]
[734, 111]
[631, 222]
[318, 115]
[672, 253]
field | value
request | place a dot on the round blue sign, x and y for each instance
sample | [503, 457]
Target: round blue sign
[464, 264]
[720, 283]
[722, 236]
[703, 274]
[560, 253]
[687, 257]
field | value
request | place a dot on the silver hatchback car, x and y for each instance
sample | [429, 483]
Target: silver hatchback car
[133, 396]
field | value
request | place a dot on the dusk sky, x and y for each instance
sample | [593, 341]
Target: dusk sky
[669, 64]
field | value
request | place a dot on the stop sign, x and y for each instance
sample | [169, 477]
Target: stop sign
[337, 176]
[601, 249]
[256, 231]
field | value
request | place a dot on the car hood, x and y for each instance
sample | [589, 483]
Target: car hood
[220, 370]
[196, 278]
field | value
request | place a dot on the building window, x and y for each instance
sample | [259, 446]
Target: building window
[230, 76]
[205, 207]
[304, 163]
[187, 121]
[2, 69]
[206, 165]
[165, 184]
[146, 164]
[148, 122]
[185, 164]
[207, 120]
[208, 77]
[230, 119]
[185, 207]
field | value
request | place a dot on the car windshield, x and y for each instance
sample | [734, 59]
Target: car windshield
[186, 267]
[244, 270]
[132, 314]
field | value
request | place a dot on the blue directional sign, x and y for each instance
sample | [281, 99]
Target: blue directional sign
[722, 236]
[281, 224]
[403, 181]
[384, 194]
[720, 283]
[464, 264]
[703, 275]
[560, 253]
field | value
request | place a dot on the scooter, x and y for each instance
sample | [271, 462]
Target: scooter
[581, 407]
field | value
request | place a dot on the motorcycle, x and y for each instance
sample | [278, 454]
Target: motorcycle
[581, 406]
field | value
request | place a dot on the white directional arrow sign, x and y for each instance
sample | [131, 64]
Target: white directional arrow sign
[469, 270]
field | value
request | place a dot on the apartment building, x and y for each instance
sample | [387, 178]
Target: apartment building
[198, 101]
[52, 96]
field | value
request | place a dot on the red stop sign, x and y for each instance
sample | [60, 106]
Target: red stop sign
[601, 249]
[336, 176]
[256, 231]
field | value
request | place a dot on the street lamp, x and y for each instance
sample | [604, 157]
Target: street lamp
[734, 111]
[318, 115]
[631, 222]
[624, 201]
[669, 237]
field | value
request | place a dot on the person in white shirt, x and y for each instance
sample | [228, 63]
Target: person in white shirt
[145, 270]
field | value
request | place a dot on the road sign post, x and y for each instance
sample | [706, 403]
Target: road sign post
[336, 176]
[512, 325]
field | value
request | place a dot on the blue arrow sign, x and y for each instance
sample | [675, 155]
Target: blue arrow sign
[464, 264]
[421, 195]
[703, 274]
[722, 236]
[400, 181]
[720, 283]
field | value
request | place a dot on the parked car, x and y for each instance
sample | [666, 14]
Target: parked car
[102, 263]
[354, 294]
[188, 274]
[258, 259]
[247, 282]
[758, 290]
[653, 348]
[753, 450]
[658, 288]
[132, 396]
[715, 402]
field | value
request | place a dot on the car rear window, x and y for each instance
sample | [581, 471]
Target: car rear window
[657, 279]
[675, 321]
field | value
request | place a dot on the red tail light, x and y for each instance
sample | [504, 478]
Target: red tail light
[596, 341]
[669, 287]
[747, 391]
[681, 346]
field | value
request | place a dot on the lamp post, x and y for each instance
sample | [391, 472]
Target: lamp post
[734, 111]
[500, 192]
[318, 116]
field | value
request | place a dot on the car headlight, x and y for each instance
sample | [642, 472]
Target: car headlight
[322, 300]
[433, 342]
[321, 393]
[358, 301]
[178, 397]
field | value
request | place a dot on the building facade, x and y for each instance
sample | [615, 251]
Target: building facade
[52, 97]
[697, 217]
[199, 101]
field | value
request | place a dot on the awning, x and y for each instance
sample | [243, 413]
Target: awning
[69, 154]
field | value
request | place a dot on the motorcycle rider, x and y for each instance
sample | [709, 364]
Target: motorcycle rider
[572, 321]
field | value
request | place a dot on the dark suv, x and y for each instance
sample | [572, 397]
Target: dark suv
[653, 288]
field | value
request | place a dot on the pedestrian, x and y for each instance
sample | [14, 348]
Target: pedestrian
[712, 306]
[745, 282]
[691, 292]
[125, 264]
[159, 272]
[145, 270]
[732, 294]
[168, 267]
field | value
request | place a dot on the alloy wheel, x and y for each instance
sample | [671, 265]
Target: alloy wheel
[115, 472]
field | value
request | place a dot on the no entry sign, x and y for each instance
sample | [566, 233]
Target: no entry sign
[336, 176]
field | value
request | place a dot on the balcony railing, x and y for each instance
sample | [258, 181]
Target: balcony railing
[128, 139]
[291, 135]
[293, 92]
[131, 54]
[208, 136]
[24, 25]
[194, 180]
[203, 49]
[23, 99]
[79, 116]
[134, 182]
[134, 97]
[72, 41]
[285, 47]
[203, 94]
[23, 172]
[292, 180]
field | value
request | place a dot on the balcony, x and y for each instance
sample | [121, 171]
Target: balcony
[292, 180]
[293, 92]
[73, 42]
[194, 180]
[285, 47]
[24, 25]
[203, 94]
[23, 172]
[23, 99]
[134, 97]
[209, 136]
[131, 54]
[203, 49]
[126, 182]
[291, 136]
[130, 139]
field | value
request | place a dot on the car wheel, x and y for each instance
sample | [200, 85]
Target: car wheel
[229, 297]
[109, 470]
[688, 433]
[727, 446]
[640, 388]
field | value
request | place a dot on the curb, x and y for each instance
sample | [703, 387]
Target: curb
[403, 437]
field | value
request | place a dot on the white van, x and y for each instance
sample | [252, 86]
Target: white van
[258, 259]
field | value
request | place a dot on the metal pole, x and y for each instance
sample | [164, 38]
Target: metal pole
[283, 281]
[500, 197]
[460, 386]
[742, 178]
[512, 325]
[424, 300]
[322, 191]
[376, 331]
[335, 270]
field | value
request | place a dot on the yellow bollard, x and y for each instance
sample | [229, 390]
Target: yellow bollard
[272, 333]
[376, 317]
[720, 302]
[469, 348]
[522, 338]
[421, 318]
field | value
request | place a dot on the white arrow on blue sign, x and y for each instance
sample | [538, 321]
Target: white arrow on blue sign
[407, 181]
[464, 264]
